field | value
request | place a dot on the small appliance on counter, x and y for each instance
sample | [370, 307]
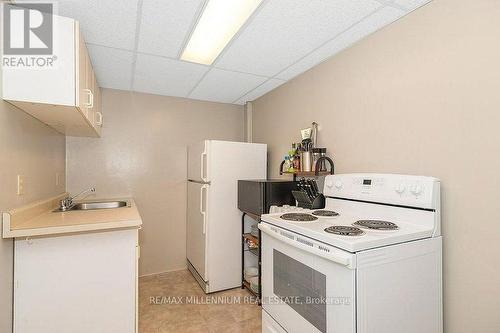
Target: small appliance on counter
[256, 197]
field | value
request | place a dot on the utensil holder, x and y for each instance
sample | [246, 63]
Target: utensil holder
[305, 161]
[304, 201]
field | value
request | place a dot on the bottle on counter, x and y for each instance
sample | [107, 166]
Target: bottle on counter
[287, 164]
[296, 158]
[291, 158]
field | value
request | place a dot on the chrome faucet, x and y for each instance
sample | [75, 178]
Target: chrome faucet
[67, 203]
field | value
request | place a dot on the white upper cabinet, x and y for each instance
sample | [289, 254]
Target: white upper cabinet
[64, 96]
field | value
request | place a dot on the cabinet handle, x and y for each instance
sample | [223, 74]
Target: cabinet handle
[90, 100]
[99, 117]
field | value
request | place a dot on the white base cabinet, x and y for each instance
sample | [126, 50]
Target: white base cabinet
[77, 283]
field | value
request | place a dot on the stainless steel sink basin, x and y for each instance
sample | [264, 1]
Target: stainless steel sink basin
[97, 205]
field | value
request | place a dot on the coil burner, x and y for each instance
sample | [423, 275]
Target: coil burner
[298, 217]
[325, 213]
[344, 230]
[376, 225]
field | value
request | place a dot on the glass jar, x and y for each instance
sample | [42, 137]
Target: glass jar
[317, 153]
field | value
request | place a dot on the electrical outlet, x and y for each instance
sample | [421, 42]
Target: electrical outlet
[20, 185]
[58, 181]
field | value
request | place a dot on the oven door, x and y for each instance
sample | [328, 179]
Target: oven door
[307, 286]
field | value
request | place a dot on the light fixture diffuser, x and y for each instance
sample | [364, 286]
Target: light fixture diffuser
[219, 22]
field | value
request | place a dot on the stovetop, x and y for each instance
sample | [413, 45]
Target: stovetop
[365, 211]
[352, 231]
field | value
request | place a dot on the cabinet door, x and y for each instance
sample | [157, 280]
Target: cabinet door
[54, 85]
[83, 100]
[87, 83]
[91, 87]
[88, 284]
[59, 95]
[98, 109]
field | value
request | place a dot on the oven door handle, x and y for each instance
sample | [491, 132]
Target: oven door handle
[338, 256]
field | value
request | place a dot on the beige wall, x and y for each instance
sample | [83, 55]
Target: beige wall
[422, 96]
[31, 149]
[142, 154]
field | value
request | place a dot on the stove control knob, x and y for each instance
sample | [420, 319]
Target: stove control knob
[400, 189]
[416, 190]
[338, 184]
[329, 183]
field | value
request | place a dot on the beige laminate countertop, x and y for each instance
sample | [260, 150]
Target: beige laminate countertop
[52, 223]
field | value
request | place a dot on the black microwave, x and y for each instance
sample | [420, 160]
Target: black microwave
[257, 196]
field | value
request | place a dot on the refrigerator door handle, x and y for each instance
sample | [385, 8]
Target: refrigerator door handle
[203, 163]
[202, 211]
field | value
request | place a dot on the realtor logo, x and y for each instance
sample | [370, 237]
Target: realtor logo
[28, 29]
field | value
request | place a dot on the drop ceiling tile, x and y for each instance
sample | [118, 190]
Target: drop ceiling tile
[225, 86]
[166, 24]
[372, 23]
[260, 90]
[163, 76]
[105, 22]
[113, 67]
[411, 4]
[283, 31]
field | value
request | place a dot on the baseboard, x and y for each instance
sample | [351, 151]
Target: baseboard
[163, 272]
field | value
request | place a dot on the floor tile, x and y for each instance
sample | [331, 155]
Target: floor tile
[180, 307]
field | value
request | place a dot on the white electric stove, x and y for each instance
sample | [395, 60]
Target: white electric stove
[369, 262]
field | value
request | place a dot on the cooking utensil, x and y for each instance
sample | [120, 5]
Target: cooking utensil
[309, 191]
[315, 186]
[307, 144]
[310, 187]
[314, 135]
[302, 187]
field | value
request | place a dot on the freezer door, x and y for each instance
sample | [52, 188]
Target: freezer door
[196, 228]
[198, 161]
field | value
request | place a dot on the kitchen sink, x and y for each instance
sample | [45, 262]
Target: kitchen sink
[97, 205]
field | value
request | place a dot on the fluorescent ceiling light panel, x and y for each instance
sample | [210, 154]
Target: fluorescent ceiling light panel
[220, 21]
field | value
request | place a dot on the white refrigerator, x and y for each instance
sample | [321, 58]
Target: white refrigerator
[214, 232]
